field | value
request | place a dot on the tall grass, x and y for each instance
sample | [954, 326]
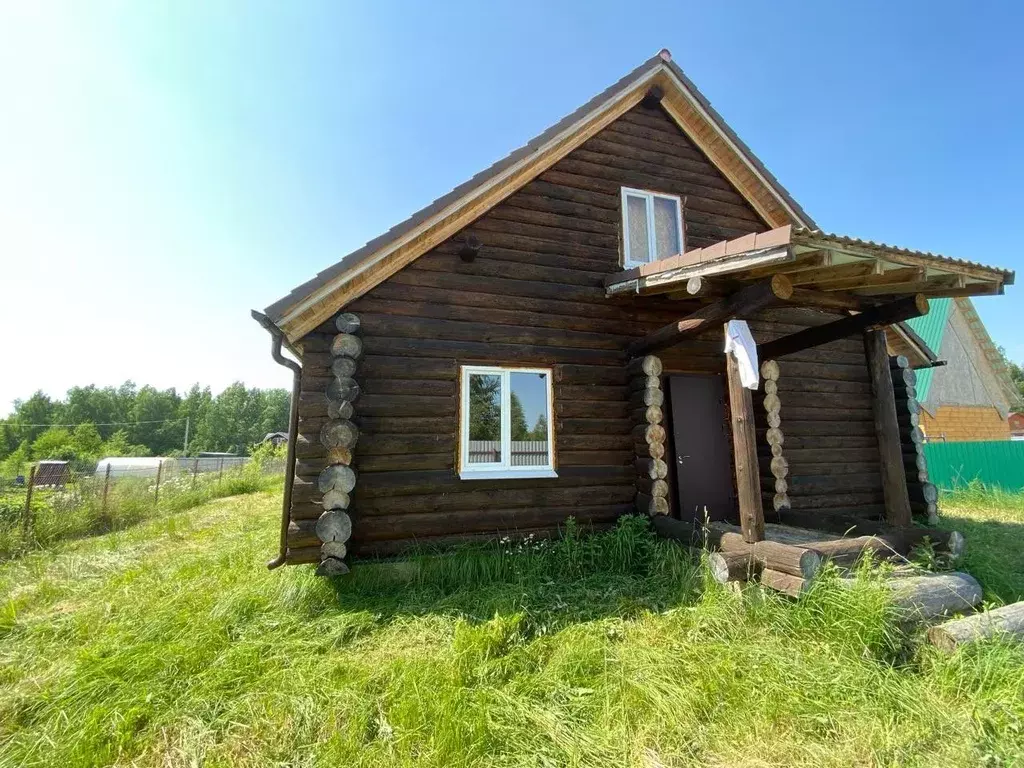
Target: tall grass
[82, 509]
[168, 644]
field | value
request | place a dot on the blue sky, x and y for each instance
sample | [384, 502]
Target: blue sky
[165, 167]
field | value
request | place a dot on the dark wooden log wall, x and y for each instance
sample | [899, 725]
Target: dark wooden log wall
[828, 427]
[533, 294]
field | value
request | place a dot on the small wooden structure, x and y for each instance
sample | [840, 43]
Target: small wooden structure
[573, 297]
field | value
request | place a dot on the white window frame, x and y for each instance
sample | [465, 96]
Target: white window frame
[649, 197]
[503, 469]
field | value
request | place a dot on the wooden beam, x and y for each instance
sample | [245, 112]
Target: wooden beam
[744, 302]
[884, 314]
[836, 300]
[883, 404]
[800, 263]
[890, 277]
[938, 282]
[839, 271]
[744, 447]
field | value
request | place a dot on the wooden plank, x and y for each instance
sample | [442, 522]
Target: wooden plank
[744, 440]
[894, 480]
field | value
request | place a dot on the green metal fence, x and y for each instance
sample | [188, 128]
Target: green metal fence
[996, 463]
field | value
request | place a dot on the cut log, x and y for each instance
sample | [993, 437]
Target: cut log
[342, 409]
[772, 403]
[657, 488]
[643, 398]
[336, 549]
[346, 322]
[339, 434]
[745, 302]
[647, 365]
[644, 382]
[334, 526]
[899, 361]
[347, 345]
[939, 594]
[732, 566]
[339, 456]
[343, 390]
[770, 386]
[774, 436]
[655, 469]
[799, 561]
[1006, 622]
[923, 492]
[650, 450]
[336, 499]
[770, 370]
[652, 414]
[786, 583]
[649, 433]
[331, 566]
[651, 505]
[344, 367]
[336, 477]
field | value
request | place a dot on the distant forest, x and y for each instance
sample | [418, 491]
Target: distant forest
[90, 422]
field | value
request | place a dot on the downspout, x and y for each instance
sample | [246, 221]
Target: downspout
[277, 336]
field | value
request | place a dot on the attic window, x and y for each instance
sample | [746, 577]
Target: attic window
[652, 226]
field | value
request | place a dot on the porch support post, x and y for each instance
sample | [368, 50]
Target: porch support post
[744, 449]
[746, 301]
[883, 404]
[885, 314]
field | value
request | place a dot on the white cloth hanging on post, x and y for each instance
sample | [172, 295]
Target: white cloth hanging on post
[740, 342]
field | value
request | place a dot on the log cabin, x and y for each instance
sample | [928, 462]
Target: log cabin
[546, 341]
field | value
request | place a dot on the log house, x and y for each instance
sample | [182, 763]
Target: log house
[546, 341]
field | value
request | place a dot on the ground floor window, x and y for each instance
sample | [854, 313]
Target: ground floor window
[506, 428]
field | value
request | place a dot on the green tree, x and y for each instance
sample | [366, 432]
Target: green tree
[86, 442]
[484, 407]
[519, 429]
[1016, 373]
[16, 461]
[540, 428]
[118, 445]
[54, 443]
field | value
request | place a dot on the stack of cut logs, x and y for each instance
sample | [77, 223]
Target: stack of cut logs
[646, 400]
[339, 436]
[923, 495]
[774, 468]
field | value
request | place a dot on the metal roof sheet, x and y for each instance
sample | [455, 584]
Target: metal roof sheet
[931, 328]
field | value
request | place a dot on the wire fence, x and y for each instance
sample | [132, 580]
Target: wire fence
[55, 502]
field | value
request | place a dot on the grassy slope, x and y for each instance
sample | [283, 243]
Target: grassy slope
[169, 644]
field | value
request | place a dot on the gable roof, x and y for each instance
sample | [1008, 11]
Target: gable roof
[933, 327]
[314, 301]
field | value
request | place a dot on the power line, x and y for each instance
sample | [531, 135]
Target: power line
[95, 423]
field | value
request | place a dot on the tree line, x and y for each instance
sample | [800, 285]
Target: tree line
[139, 421]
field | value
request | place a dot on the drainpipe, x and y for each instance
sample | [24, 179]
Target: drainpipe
[277, 336]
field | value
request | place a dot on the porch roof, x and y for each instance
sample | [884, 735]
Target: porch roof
[820, 263]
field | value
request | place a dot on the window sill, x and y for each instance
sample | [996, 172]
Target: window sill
[506, 474]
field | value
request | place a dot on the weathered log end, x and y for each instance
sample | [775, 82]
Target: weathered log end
[334, 525]
[1006, 622]
[331, 566]
[923, 598]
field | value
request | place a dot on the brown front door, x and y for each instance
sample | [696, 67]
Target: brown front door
[700, 437]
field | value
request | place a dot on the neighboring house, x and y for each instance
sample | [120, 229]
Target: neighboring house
[971, 395]
[1016, 426]
[546, 341]
[276, 438]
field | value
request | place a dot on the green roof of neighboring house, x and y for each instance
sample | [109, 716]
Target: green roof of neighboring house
[931, 328]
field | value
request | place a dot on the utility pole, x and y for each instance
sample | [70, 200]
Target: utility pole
[184, 451]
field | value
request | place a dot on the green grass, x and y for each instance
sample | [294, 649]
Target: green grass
[169, 644]
[79, 510]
